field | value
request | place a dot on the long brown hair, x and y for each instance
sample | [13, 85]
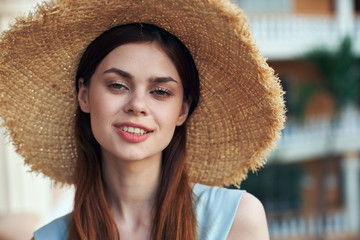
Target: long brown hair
[174, 214]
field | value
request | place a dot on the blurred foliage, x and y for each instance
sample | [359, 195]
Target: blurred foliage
[340, 71]
[301, 96]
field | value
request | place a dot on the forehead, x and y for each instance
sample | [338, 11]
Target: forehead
[140, 57]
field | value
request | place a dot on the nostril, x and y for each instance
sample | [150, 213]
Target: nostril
[136, 109]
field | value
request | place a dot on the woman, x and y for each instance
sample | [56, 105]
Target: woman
[137, 87]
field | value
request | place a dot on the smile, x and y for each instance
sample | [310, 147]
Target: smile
[133, 130]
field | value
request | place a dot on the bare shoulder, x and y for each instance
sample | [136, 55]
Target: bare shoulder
[250, 220]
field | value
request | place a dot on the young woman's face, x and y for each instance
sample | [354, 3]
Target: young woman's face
[135, 101]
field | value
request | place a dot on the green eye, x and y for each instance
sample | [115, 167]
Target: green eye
[117, 86]
[161, 92]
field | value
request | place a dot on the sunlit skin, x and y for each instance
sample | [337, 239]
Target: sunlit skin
[138, 85]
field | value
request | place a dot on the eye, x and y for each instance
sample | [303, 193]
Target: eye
[161, 92]
[118, 86]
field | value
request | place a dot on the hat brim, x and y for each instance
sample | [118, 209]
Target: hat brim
[236, 124]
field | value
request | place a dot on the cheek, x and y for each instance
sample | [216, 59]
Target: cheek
[101, 113]
[103, 104]
[169, 116]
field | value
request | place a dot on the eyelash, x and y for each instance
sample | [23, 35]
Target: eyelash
[159, 92]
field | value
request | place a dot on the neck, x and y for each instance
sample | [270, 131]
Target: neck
[131, 187]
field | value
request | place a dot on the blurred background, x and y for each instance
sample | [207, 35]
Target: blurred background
[311, 186]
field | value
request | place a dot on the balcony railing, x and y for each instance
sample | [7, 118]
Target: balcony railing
[285, 36]
[317, 136]
[334, 225]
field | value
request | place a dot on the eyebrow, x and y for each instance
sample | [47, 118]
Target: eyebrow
[119, 72]
[129, 76]
[163, 80]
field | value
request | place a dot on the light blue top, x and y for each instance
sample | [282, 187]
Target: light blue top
[215, 210]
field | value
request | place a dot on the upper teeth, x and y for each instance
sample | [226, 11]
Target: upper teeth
[133, 130]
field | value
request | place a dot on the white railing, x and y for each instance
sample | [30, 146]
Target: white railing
[318, 136]
[290, 226]
[285, 36]
[294, 28]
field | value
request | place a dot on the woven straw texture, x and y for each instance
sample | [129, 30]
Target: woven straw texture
[240, 114]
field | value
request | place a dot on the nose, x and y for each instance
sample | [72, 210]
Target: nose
[136, 104]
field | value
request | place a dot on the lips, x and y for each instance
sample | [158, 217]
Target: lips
[132, 132]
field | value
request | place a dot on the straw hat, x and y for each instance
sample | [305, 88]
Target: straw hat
[239, 117]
